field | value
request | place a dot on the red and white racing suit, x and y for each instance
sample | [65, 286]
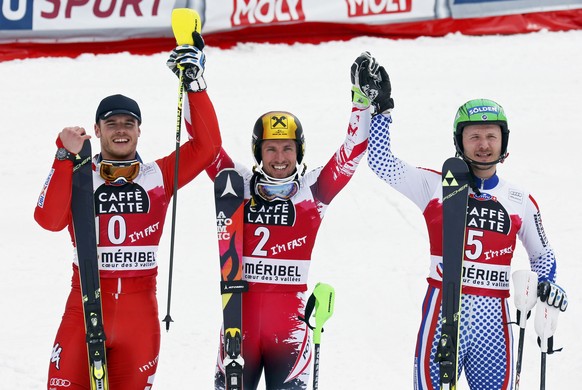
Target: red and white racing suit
[129, 222]
[496, 217]
[279, 237]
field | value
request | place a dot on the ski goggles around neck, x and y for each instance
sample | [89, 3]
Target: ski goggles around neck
[280, 191]
[119, 171]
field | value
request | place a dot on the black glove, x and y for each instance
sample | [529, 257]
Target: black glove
[191, 60]
[383, 101]
[553, 295]
[371, 82]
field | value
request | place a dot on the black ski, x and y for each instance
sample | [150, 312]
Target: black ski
[83, 210]
[229, 199]
[455, 184]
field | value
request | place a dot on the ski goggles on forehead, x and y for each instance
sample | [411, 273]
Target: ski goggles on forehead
[282, 191]
[113, 171]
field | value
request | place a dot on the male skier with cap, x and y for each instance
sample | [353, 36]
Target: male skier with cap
[131, 200]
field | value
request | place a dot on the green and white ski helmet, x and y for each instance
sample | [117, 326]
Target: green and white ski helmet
[480, 111]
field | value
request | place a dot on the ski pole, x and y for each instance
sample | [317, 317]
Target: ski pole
[546, 321]
[324, 301]
[184, 22]
[525, 284]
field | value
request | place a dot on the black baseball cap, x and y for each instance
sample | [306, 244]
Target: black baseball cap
[117, 104]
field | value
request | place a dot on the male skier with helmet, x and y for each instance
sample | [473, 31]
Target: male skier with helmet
[498, 212]
[284, 207]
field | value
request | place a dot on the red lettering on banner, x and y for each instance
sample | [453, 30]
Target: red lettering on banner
[252, 12]
[71, 4]
[101, 8]
[134, 3]
[103, 14]
[155, 7]
[55, 12]
[377, 7]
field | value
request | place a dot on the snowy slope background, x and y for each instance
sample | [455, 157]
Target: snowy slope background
[372, 246]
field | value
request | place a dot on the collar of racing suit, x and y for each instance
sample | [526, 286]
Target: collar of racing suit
[485, 184]
[137, 157]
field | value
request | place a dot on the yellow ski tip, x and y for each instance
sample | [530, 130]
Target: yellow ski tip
[184, 22]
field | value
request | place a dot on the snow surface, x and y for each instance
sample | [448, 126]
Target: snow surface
[372, 246]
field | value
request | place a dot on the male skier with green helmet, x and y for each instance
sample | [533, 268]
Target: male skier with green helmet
[498, 212]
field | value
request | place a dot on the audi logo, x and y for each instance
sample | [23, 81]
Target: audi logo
[59, 382]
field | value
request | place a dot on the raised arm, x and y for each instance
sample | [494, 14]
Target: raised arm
[417, 184]
[205, 141]
[365, 74]
[53, 208]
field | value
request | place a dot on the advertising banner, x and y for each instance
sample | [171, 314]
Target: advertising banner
[479, 8]
[231, 14]
[30, 28]
[120, 19]
[84, 19]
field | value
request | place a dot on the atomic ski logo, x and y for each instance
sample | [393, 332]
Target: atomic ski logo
[228, 188]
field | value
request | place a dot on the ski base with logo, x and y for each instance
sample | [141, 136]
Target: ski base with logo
[83, 211]
[455, 184]
[229, 201]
